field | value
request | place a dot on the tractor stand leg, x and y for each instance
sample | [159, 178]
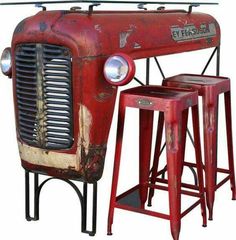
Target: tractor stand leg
[27, 197]
[83, 200]
[84, 210]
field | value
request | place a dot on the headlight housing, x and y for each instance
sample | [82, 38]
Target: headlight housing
[6, 62]
[119, 69]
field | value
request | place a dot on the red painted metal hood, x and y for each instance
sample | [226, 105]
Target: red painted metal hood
[138, 33]
[91, 38]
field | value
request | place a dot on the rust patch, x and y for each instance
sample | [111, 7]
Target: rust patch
[90, 169]
[209, 40]
[85, 124]
[43, 26]
[103, 96]
[92, 164]
[210, 120]
[20, 27]
[169, 136]
[106, 95]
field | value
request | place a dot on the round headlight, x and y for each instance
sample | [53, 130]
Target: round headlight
[119, 69]
[6, 62]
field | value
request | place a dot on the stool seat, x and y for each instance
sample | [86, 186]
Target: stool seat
[159, 97]
[201, 83]
[173, 104]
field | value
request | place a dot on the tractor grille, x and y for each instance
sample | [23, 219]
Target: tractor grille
[44, 95]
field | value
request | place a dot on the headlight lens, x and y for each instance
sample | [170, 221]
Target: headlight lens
[119, 69]
[6, 62]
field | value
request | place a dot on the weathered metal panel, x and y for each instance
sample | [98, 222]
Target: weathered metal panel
[91, 39]
[140, 34]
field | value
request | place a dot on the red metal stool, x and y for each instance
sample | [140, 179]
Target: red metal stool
[174, 103]
[209, 88]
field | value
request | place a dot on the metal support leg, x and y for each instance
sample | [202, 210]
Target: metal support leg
[145, 146]
[174, 167]
[119, 137]
[94, 211]
[229, 132]
[218, 62]
[184, 135]
[156, 156]
[210, 109]
[147, 71]
[198, 154]
[83, 200]
[28, 216]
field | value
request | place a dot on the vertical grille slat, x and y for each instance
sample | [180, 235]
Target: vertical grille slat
[44, 95]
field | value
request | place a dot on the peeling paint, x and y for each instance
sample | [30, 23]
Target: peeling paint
[132, 26]
[88, 160]
[173, 138]
[85, 124]
[125, 35]
[123, 38]
[210, 120]
[98, 28]
[137, 46]
[46, 158]
[169, 136]
[182, 20]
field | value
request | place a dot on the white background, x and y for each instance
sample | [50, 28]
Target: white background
[60, 210]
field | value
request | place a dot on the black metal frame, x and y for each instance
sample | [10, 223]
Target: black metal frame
[96, 3]
[108, 1]
[82, 197]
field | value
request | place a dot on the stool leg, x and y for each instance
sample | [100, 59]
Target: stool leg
[145, 146]
[156, 156]
[119, 137]
[198, 154]
[173, 126]
[184, 134]
[210, 109]
[228, 116]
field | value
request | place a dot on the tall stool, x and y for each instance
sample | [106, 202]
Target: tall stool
[174, 103]
[209, 87]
